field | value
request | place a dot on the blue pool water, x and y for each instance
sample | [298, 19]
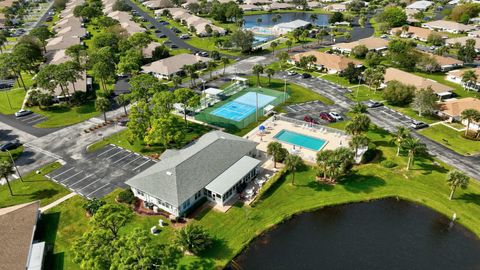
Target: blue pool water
[298, 139]
[242, 106]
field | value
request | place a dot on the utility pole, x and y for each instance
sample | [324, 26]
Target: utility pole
[14, 164]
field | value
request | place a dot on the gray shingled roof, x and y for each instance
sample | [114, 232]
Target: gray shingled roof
[182, 173]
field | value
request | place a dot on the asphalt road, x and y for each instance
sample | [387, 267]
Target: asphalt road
[27, 126]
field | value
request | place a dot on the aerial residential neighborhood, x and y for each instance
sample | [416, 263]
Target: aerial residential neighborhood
[229, 134]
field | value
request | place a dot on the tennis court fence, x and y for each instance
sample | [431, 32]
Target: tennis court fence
[206, 115]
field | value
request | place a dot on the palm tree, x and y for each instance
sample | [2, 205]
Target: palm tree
[358, 108]
[456, 179]
[323, 158]
[123, 101]
[177, 80]
[210, 66]
[273, 45]
[401, 135]
[225, 62]
[469, 77]
[257, 70]
[414, 147]
[292, 164]
[469, 115]
[270, 72]
[358, 141]
[102, 104]
[289, 44]
[275, 150]
[193, 238]
[359, 124]
[6, 169]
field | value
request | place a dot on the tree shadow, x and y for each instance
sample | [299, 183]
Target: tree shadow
[43, 193]
[200, 264]
[361, 183]
[218, 250]
[470, 198]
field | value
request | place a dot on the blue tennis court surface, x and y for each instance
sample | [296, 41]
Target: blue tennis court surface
[242, 106]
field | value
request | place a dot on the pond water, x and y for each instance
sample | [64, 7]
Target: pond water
[384, 234]
[267, 19]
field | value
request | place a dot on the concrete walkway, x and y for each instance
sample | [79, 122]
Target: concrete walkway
[57, 202]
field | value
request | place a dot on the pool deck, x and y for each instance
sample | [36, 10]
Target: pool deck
[333, 139]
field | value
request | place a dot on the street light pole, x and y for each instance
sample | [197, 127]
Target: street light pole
[285, 90]
[8, 98]
[14, 164]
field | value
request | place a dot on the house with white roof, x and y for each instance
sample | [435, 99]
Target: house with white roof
[283, 28]
[216, 167]
[420, 5]
[448, 26]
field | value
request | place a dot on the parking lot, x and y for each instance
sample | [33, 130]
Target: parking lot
[101, 171]
[312, 109]
[389, 118]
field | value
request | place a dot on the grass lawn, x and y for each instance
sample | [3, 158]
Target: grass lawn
[424, 183]
[408, 111]
[59, 116]
[15, 154]
[121, 139]
[338, 80]
[35, 187]
[15, 96]
[363, 93]
[452, 139]
[458, 89]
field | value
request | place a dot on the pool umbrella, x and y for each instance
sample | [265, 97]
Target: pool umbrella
[262, 128]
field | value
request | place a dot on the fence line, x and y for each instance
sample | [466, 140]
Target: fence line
[312, 125]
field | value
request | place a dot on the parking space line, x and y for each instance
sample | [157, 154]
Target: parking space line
[132, 160]
[88, 176]
[106, 151]
[64, 172]
[36, 120]
[71, 176]
[91, 184]
[122, 159]
[29, 117]
[119, 152]
[141, 165]
[97, 189]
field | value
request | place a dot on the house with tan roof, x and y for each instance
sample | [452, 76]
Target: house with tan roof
[278, 6]
[462, 41]
[248, 7]
[474, 34]
[331, 63]
[457, 75]
[62, 42]
[446, 63]
[448, 26]
[19, 249]
[414, 32]
[166, 68]
[336, 8]
[453, 108]
[147, 52]
[394, 74]
[372, 44]
[157, 4]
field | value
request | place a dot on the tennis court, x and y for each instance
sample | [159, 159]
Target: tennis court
[243, 106]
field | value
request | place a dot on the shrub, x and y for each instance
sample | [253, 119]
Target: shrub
[193, 238]
[92, 206]
[126, 196]
[388, 164]
[370, 154]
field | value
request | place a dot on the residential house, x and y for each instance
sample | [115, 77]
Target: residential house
[278, 6]
[190, 20]
[372, 44]
[420, 5]
[462, 41]
[217, 167]
[456, 76]
[61, 42]
[247, 7]
[474, 34]
[331, 63]
[447, 63]
[158, 4]
[448, 26]
[414, 32]
[452, 109]
[19, 249]
[147, 52]
[257, 2]
[166, 68]
[336, 8]
[393, 74]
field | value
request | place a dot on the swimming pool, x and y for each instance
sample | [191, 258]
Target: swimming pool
[242, 106]
[301, 140]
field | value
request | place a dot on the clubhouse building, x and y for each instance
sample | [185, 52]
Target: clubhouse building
[217, 167]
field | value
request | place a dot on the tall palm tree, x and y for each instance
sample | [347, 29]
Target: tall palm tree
[270, 72]
[289, 44]
[323, 158]
[273, 45]
[6, 169]
[469, 77]
[358, 141]
[225, 62]
[292, 164]
[274, 149]
[401, 135]
[103, 104]
[210, 66]
[359, 124]
[123, 101]
[414, 147]
[456, 179]
[257, 70]
[469, 115]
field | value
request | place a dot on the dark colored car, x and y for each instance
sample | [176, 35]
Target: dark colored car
[10, 145]
[309, 119]
[49, 19]
[306, 75]
[327, 117]
[161, 35]
[175, 30]
[173, 46]
[418, 124]
[373, 104]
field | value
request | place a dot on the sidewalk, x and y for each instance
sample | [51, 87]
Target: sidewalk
[57, 202]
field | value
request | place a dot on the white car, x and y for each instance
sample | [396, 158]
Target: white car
[291, 73]
[335, 116]
[22, 113]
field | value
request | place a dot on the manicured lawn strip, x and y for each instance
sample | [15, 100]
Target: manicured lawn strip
[121, 139]
[15, 96]
[338, 80]
[59, 116]
[363, 93]
[35, 187]
[408, 111]
[452, 139]
[15, 154]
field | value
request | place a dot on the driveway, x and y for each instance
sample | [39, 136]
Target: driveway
[26, 124]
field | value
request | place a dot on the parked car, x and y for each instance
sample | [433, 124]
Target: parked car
[335, 116]
[161, 35]
[22, 113]
[291, 73]
[204, 54]
[175, 30]
[10, 145]
[173, 46]
[184, 36]
[327, 117]
[306, 75]
[418, 124]
[49, 19]
[309, 119]
[373, 104]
